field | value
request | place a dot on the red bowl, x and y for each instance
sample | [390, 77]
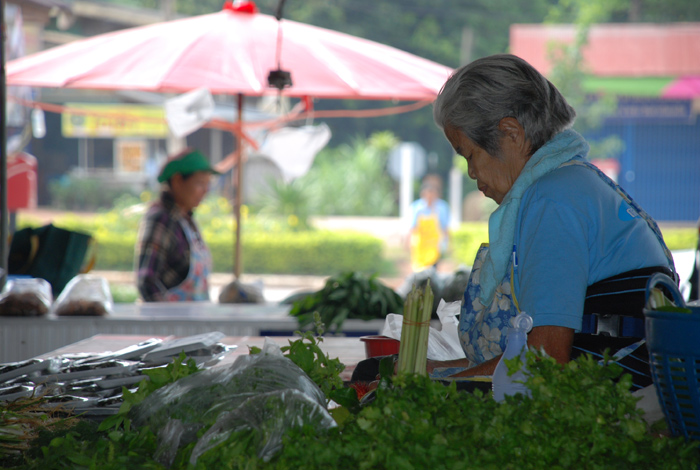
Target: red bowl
[378, 345]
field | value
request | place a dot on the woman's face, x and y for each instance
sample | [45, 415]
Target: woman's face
[494, 175]
[189, 192]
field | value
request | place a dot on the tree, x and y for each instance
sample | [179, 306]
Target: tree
[569, 69]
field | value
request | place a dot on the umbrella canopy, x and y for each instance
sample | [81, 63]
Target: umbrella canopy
[683, 88]
[232, 52]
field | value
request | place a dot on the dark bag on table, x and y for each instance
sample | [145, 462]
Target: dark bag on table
[51, 253]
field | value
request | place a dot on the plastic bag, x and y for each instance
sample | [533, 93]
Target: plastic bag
[29, 297]
[443, 344]
[85, 295]
[263, 392]
[270, 413]
[238, 293]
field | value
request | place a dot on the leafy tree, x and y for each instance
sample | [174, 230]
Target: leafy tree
[338, 176]
[290, 200]
[569, 69]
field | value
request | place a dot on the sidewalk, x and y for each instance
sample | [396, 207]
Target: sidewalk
[276, 287]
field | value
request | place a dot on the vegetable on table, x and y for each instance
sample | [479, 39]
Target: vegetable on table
[348, 295]
[413, 350]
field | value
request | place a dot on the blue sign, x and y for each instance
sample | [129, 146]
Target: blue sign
[652, 111]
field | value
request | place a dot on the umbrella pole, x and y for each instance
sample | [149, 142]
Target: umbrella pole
[4, 215]
[237, 199]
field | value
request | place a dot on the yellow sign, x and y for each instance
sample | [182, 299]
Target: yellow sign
[130, 155]
[113, 120]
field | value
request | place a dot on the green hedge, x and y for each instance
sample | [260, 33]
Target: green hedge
[680, 238]
[313, 252]
[316, 253]
[469, 236]
[466, 241]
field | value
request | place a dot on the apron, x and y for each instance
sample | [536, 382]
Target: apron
[425, 242]
[482, 330]
[196, 284]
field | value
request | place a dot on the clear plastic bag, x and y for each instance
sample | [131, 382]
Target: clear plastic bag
[264, 392]
[29, 297]
[271, 414]
[85, 295]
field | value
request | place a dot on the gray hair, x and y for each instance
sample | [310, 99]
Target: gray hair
[478, 95]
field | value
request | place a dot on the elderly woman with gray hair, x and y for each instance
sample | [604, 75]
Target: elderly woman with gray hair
[567, 244]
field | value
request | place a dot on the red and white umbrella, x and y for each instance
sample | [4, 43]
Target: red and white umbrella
[232, 52]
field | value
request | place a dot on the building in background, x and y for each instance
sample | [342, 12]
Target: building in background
[656, 117]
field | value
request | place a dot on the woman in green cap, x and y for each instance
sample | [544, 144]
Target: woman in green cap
[172, 260]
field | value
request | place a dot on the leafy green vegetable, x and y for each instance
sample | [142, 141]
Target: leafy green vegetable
[24, 420]
[348, 295]
[307, 354]
[581, 415]
[413, 352]
[158, 378]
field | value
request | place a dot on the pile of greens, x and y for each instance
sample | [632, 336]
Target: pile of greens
[347, 295]
[580, 415]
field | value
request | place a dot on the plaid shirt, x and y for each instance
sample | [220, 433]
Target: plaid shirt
[162, 250]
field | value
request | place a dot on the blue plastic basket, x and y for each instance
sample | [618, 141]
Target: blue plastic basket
[673, 341]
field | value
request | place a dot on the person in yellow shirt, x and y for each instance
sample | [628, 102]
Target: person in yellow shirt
[430, 219]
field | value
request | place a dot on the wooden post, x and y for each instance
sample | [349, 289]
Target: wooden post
[238, 174]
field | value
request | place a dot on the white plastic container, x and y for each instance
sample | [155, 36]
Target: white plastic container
[516, 344]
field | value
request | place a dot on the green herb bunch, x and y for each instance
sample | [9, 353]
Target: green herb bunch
[24, 420]
[581, 416]
[348, 295]
[115, 444]
[119, 444]
[306, 353]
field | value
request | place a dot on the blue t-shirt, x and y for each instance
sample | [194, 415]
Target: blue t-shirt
[573, 230]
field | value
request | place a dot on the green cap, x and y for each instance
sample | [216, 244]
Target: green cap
[185, 163]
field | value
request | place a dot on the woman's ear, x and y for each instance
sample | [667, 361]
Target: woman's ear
[176, 182]
[514, 132]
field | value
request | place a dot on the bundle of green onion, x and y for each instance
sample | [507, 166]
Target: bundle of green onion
[413, 350]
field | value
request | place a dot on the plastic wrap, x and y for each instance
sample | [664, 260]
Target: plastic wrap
[29, 297]
[85, 295]
[271, 414]
[265, 392]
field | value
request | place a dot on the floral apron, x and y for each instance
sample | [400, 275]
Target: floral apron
[196, 284]
[482, 330]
